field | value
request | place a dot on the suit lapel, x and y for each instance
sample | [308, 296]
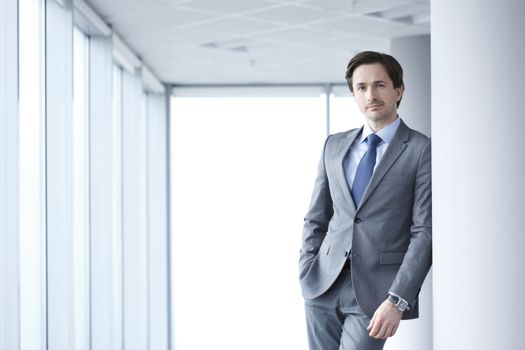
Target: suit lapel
[394, 150]
[341, 153]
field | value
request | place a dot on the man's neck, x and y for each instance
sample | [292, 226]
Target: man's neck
[378, 125]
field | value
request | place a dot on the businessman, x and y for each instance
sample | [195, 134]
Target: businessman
[367, 236]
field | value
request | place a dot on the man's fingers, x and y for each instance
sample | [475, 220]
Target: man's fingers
[390, 331]
[394, 330]
[376, 326]
[371, 324]
[383, 328]
[382, 333]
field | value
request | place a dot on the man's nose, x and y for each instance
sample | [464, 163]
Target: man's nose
[371, 94]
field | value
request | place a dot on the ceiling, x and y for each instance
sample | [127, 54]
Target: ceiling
[193, 42]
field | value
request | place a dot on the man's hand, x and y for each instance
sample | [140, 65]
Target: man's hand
[385, 321]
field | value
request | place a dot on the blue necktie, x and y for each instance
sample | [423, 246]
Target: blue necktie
[365, 169]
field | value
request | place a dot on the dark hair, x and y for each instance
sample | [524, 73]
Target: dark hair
[392, 66]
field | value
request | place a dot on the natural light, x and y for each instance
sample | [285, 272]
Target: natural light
[242, 175]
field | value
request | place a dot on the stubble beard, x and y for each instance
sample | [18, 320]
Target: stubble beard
[384, 116]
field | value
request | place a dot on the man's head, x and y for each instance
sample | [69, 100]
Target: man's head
[391, 65]
[376, 82]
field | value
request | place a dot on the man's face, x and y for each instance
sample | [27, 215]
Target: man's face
[375, 94]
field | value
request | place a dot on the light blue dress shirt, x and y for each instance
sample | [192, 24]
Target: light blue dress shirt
[359, 147]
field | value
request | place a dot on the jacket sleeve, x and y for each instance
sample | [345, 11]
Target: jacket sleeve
[317, 218]
[418, 258]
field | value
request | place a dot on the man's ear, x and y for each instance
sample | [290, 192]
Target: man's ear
[400, 90]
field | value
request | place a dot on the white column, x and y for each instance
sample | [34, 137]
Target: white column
[478, 167]
[413, 53]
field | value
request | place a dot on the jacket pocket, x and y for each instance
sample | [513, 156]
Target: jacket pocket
[391, 258]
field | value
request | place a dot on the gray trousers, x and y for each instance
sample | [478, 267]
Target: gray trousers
[336, 322]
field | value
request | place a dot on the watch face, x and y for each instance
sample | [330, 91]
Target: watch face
[402, 305]
[398, 302]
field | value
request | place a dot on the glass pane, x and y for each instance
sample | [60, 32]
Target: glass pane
[344, 114]
[242, 175]
[32, 178]
[117, 209]
[81, 189]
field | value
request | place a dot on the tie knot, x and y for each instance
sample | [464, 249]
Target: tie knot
[373, 140]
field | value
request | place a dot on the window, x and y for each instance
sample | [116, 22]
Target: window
[344, 114]
[32, 177]
[80, 174]
[117, 297]
[242, 176]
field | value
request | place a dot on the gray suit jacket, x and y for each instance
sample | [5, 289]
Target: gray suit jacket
[389, 234]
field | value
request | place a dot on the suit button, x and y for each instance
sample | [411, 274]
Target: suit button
[357, 220]
[346, 254]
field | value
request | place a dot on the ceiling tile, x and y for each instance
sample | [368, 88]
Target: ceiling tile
[357, 25]
[357, 44]
[291, 1]
[298, 36]
[235, 26]
[357, 6]
[294, 14]
[407, 30]
[229, 7]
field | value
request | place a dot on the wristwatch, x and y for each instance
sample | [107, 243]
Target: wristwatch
[400, 303]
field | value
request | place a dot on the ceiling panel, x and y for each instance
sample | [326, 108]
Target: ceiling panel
[298, 36]
[357, 6]
[236, 26]
[357, 43]
[262, 41]
[228, 7]
[357, 25]
[405, 31]
[293, 14]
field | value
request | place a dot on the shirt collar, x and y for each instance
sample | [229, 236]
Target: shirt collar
[386, 134]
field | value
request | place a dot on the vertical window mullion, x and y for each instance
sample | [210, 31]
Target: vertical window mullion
[134, 211]
[157, 222]
[117, 234]
[32, 176]
[102, 194]
[59, 182]
[80, 188]
[9, 239]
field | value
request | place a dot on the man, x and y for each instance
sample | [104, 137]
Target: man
[367, 237]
